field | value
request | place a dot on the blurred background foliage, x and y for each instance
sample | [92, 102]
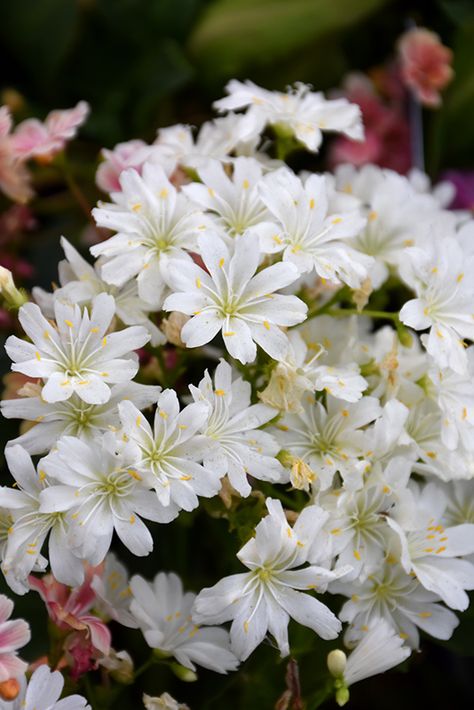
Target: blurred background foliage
[142, 64]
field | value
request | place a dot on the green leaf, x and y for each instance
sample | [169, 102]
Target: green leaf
[39, 33]
[236, 33]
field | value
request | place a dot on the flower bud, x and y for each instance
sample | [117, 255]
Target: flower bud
[183, 673]
[172, 327]
[342, 695]
[336, 662]
[12, 295]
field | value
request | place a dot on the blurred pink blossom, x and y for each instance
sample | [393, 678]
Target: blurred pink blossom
[387, 137]
[33, 139]
[131, 154]
[425, 64]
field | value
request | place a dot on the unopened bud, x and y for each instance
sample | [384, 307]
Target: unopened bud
[183, 673]
[361, 295]
[120, 666]
[172, 327]
[14, 298]
[336, 662]
[342, 695]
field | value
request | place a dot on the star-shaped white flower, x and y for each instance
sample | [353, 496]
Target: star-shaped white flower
[153, 223]
[167, 455]
[265, 598]
[309, 236]
[234, 202]
[442, 276]
[98, 486]
[232, 298]
[300, 112]
[75, 354]
[163, 612]
[232, 442]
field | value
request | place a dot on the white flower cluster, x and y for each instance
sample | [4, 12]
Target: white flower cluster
[366, 428]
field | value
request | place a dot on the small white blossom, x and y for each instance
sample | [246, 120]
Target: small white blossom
[167, 455]
[265, 598]
[232, 298]
[163, 612]
[73, 417]
[103, 492]
[43, 692]
[233, 444]
[442, 277]
[74, 354]
[308, 235]
[31, 526]
[392, 594]
[300, 112]
[153, 223]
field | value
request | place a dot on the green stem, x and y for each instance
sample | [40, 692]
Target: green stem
[148, 664]
[75, 190]
[343, 312]
[340, 295]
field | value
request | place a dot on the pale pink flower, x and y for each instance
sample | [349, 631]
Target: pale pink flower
[14, 177]
[132, 154]
[13, 634]
[33, 139]
[425, 64]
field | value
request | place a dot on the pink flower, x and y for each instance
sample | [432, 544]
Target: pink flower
[13, 635]
[131, 154]
[87, 637]
[425, 64]
[386, 141]
[14, 177]
[33, 139]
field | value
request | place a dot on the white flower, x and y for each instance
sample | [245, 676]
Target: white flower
[309, 237]
[265, 598]
[167, 456]
[74, 417]
[392, 594]
[330, 439]
[300, 372]
[216, 140]
[442, 277]
[103, 492]
[81, 282]
[113, 593]
[163, 702]
[75, 354]
[454, 394]
[358, 526]
[233, 444]
[397, 215]
[31, 527]
[42, 692]
[163, 612]
[300, 112]
[233, 299]
[379, 650]
[432, 552]
[153, 223]
[235, 200]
